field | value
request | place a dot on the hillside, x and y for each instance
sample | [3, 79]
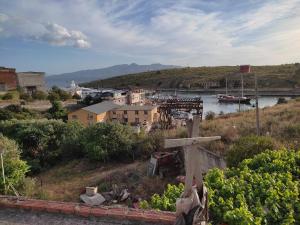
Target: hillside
[63, 80]
[277, 76]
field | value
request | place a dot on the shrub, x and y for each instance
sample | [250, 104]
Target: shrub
[108, 141]
[15, 169]
[56, 94]
[53, 96]
[247, 147]
[44, 142]
[57, 111]
[7, 96]
[262, 190]
[16, 112]
[281, 100]
[39, 95]
[167, 201]
[146, 144]
[210, 115]
[76, 96]
[25, 96]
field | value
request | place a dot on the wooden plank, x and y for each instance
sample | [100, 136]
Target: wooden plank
[180, 142]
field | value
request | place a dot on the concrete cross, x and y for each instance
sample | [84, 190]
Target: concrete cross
[192, 155]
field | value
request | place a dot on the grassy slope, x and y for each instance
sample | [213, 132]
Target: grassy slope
[269, 77]
[282, 122]
[66, 181]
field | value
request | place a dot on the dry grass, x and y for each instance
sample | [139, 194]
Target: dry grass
[66, 182]
[282, 122]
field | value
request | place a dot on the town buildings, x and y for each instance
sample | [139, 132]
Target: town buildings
[29, 81]
[142, 115]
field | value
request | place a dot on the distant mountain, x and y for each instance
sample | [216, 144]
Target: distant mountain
[64, 80]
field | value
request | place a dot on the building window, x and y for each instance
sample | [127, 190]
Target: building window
[125, 111]
[114, 112]
[90, 116]
[74, 117]
[126, 120]
[137, 120]
[136, 112]
[145, 112]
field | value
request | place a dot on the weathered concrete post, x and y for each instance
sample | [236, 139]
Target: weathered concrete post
[194, 161]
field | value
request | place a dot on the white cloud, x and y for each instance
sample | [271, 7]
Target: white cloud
[58, 35]
[164, 31]
[51, 33]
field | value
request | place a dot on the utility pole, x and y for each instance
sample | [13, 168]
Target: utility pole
[2, 167]
[256, 107]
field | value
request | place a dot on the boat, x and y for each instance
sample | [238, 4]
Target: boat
[226, 98]
[233, 99]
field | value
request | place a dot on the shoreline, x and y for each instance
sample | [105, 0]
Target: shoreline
[247, 92]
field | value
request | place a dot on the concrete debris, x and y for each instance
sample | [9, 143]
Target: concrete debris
[95, 200]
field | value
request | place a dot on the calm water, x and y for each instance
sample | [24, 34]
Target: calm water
[210, 103]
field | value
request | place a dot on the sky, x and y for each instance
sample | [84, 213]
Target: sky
[68, 35]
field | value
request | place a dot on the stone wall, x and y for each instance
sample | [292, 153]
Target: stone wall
[51, 212]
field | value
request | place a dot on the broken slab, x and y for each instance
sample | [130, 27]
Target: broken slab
[95, 200]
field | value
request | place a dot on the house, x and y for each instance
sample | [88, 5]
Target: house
[93, 114]
[144, 115]
[135, 97]
[31, 82]
[109, 111]
[8, 79]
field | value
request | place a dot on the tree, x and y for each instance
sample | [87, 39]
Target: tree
[57, 111]
[14, 168]
[56, 94]
[44, 142]
[108, 141]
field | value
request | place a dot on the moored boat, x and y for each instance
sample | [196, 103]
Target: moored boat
[233, 99]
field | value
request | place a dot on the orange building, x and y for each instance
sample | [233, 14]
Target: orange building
[109, 111]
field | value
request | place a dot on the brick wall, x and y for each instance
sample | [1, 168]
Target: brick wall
[8, 78]
[78, 209]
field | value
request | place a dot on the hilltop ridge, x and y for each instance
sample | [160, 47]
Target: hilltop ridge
[274, 76]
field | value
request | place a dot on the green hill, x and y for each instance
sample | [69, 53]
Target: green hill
[275, 76]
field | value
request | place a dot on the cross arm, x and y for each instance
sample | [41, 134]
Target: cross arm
[181, 142]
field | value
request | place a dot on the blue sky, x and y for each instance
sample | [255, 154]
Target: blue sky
[68, 35]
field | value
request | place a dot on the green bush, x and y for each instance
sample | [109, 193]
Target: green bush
[7, 96]
[16, 112]
[281, 100]
[57, 111]
[167, 201]
[247, 147]
[108, 141]
[39, 95]
[44, 142]
[57, 94]
[146, 144]
[210, 115]
[25, 96]
[14, 168]
[262, 190]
